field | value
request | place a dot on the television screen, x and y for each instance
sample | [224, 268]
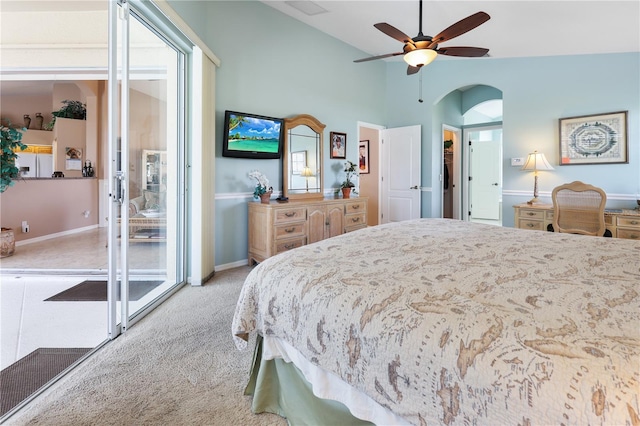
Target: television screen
[252, 136]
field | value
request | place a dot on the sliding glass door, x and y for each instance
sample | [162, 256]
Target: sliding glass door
[146, 132]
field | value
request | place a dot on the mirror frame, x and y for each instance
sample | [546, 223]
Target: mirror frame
[315, 125]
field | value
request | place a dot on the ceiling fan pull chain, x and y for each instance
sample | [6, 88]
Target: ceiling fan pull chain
[420, 98]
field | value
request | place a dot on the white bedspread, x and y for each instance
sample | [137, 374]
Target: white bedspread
[448, 322]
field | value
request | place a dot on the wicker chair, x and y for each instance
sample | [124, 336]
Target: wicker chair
[578, 208]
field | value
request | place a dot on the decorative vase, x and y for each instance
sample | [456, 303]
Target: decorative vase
[7, 242]
[346, 192]
[27, 121]
[266, 197]
[39, 121]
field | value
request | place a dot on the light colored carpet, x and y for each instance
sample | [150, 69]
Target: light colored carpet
[177, 366]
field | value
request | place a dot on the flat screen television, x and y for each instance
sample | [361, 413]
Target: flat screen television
[252, 136]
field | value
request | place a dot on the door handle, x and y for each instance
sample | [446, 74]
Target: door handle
[494, 184]
[414, 187]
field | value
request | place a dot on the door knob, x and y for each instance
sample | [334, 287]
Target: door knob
[494, 184]
[414, 187]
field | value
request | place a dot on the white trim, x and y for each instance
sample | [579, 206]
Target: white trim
[236, 264]
[184, 27]
[56, 235]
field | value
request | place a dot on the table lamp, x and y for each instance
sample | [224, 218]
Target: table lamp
[535, 162]
[307, 173]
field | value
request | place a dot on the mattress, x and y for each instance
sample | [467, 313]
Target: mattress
[448, 322]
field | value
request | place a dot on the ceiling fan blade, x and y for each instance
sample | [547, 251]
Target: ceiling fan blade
[388, 55]
[470, 52]
[393, 32]
[461, 27]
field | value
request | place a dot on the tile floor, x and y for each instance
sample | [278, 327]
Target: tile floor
[39, 270]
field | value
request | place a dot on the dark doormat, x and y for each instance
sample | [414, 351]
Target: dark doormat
[96, 291]
[27, 375]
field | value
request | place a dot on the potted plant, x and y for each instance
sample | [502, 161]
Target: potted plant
[262, 189]
[347, 186]
[70, 109]
[11, 140]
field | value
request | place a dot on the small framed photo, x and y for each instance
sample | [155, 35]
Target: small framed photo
[363, 152]
[338, 145]
[594, 139]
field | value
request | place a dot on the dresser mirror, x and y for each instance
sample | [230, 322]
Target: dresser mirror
[302, 161]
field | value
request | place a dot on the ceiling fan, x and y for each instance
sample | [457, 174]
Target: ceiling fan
[421, 50]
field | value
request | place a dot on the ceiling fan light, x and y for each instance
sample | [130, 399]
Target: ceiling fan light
[420, 57]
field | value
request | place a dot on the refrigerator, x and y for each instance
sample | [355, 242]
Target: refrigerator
[35, 165]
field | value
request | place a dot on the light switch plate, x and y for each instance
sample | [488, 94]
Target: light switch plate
[517, 161]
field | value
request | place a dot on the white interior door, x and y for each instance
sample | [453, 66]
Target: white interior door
[400, 179]
[485, 184]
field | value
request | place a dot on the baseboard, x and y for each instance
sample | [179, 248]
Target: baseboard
[232, 265]
[56, 235]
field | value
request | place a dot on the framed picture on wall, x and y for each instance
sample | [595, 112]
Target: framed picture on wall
[363, 152]
[594, 139]
[338, 145]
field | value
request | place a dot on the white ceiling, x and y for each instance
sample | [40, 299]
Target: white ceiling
[517, 28]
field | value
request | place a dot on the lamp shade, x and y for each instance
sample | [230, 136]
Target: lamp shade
[536, 161]
[420, 57]
[306, 172]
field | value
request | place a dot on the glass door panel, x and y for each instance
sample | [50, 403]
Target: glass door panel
[148, 169]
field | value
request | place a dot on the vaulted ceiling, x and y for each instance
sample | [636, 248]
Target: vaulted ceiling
[517, 28]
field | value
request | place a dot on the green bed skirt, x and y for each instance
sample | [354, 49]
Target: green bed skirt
[280, 388]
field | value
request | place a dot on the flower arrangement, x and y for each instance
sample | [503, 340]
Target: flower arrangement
[262, 184]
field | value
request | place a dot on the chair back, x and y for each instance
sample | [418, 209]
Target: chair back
[578, 208]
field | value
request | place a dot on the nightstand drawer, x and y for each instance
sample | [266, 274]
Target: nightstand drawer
[290, 230]
[290, 244]
[531, 214]
[629, 221]
[290, 215]
[629, 234]
[535, 225]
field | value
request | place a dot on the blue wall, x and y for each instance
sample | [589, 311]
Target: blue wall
[274, 65]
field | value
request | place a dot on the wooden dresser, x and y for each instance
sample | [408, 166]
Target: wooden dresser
[278, 227]
[622, 223]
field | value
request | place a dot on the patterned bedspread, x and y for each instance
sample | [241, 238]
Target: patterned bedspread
[449, 322]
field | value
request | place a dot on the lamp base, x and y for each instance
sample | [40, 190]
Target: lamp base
[534, 200]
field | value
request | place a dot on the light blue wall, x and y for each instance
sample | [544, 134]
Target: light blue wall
[274, 65]
[536, 93]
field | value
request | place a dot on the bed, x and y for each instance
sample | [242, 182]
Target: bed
[439, 321]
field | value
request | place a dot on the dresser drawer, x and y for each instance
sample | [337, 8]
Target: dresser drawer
[629, 221]
[608, 220]
[352, 220]
[355, 207]
[531, 214]
[536, 225]
[282, 246]
[290, 215]
[290, 230]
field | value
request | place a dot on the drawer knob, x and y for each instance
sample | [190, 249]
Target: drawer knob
[355, 219]
[530, 225]
[290, 214]
[289, 230]
[634, 222]
[530, 213]
[355, 206]
[289, 246]
[634, 236]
